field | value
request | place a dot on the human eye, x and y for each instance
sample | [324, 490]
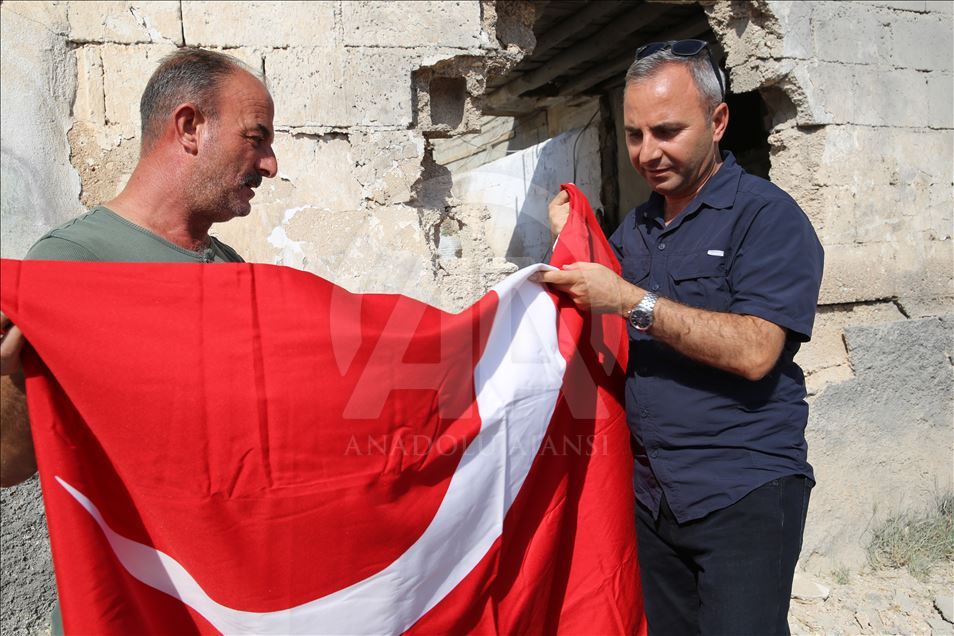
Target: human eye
[667, 132]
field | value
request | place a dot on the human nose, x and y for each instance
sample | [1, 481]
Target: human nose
[268, 164]
[648, 150]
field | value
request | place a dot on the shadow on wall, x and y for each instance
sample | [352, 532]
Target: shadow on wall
[517, 188]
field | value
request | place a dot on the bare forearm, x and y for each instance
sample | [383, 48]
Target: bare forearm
[17, 459]
[743, 345]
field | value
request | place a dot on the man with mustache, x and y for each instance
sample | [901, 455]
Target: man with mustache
[721, 274]
[206, 143]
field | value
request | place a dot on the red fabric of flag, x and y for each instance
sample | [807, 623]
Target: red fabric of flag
[250, 448]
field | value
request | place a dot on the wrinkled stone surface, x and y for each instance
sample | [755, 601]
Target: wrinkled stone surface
[880, 442]
[125, 22]
[267, 24]
[411, 24]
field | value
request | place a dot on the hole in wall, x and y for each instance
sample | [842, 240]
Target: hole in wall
[448, 95]
[747, 134]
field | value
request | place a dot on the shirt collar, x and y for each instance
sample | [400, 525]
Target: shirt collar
[719, 192]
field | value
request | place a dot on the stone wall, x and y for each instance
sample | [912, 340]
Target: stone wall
[371, 195]
[863, 138]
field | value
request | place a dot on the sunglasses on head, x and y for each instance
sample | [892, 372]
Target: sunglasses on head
[682, 48]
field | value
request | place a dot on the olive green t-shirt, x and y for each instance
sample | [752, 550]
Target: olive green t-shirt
[103, 235]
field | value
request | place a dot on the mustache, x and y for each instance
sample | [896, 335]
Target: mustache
[252, 180]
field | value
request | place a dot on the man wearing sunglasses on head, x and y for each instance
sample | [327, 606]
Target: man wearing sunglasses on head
[721, 273]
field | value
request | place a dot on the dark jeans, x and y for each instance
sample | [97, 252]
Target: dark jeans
[729, 573]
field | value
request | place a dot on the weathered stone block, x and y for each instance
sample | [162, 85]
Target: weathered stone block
[897, 214]
[251, 57]
[125, 22]
[816, 381]
[341, 87]
[795, 23]
[308, 86]
[51, 15]
[854, 94]
[380, 251]
[321, 172]
[887, 156]
[864, 43]
[873, 271]
[747, 33]
[90, 105]
[259, 24]
[126, 69]
[388, 164]
[940, 97]
[880, 442]
[378, 86]
[827, 348]
[920, 41]
[832, 211]
[103, 161]
[384, 251]
[411, 24]
[315, 174]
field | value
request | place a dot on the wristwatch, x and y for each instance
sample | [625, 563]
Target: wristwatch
[641, 316]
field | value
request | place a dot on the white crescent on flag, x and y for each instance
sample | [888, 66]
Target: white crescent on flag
[517, 381]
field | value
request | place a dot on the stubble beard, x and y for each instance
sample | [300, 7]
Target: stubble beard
[217, 197]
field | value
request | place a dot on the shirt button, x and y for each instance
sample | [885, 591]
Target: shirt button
[643, 413]
[654, 454]
[661, 246]
[655, 287]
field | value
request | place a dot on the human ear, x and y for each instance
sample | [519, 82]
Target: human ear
[188, 122]
[720, 120]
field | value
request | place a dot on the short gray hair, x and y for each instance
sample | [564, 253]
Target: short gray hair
[188, 75]
[699, 67]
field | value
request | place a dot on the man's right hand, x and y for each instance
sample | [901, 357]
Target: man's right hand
[11, 346]
[559, 212]
[17, 458]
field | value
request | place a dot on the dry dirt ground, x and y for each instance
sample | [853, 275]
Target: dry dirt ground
[878, 602]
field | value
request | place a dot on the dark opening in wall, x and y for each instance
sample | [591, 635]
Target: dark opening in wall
[747, 134]
[448, 95]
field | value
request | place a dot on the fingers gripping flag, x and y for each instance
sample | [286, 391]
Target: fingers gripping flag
[251, 449]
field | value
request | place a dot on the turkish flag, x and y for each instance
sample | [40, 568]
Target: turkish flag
[252, 449]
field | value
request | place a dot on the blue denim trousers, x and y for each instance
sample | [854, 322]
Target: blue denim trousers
[729, 573]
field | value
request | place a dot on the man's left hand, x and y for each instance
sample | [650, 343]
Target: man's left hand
[11, 346]
[593, 287]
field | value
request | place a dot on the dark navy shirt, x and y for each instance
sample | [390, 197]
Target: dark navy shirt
[706, 437]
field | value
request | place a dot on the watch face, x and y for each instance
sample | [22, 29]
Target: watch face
[642, 320]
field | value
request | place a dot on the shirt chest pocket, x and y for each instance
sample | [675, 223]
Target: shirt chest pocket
[636, 268]
[699, 280]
